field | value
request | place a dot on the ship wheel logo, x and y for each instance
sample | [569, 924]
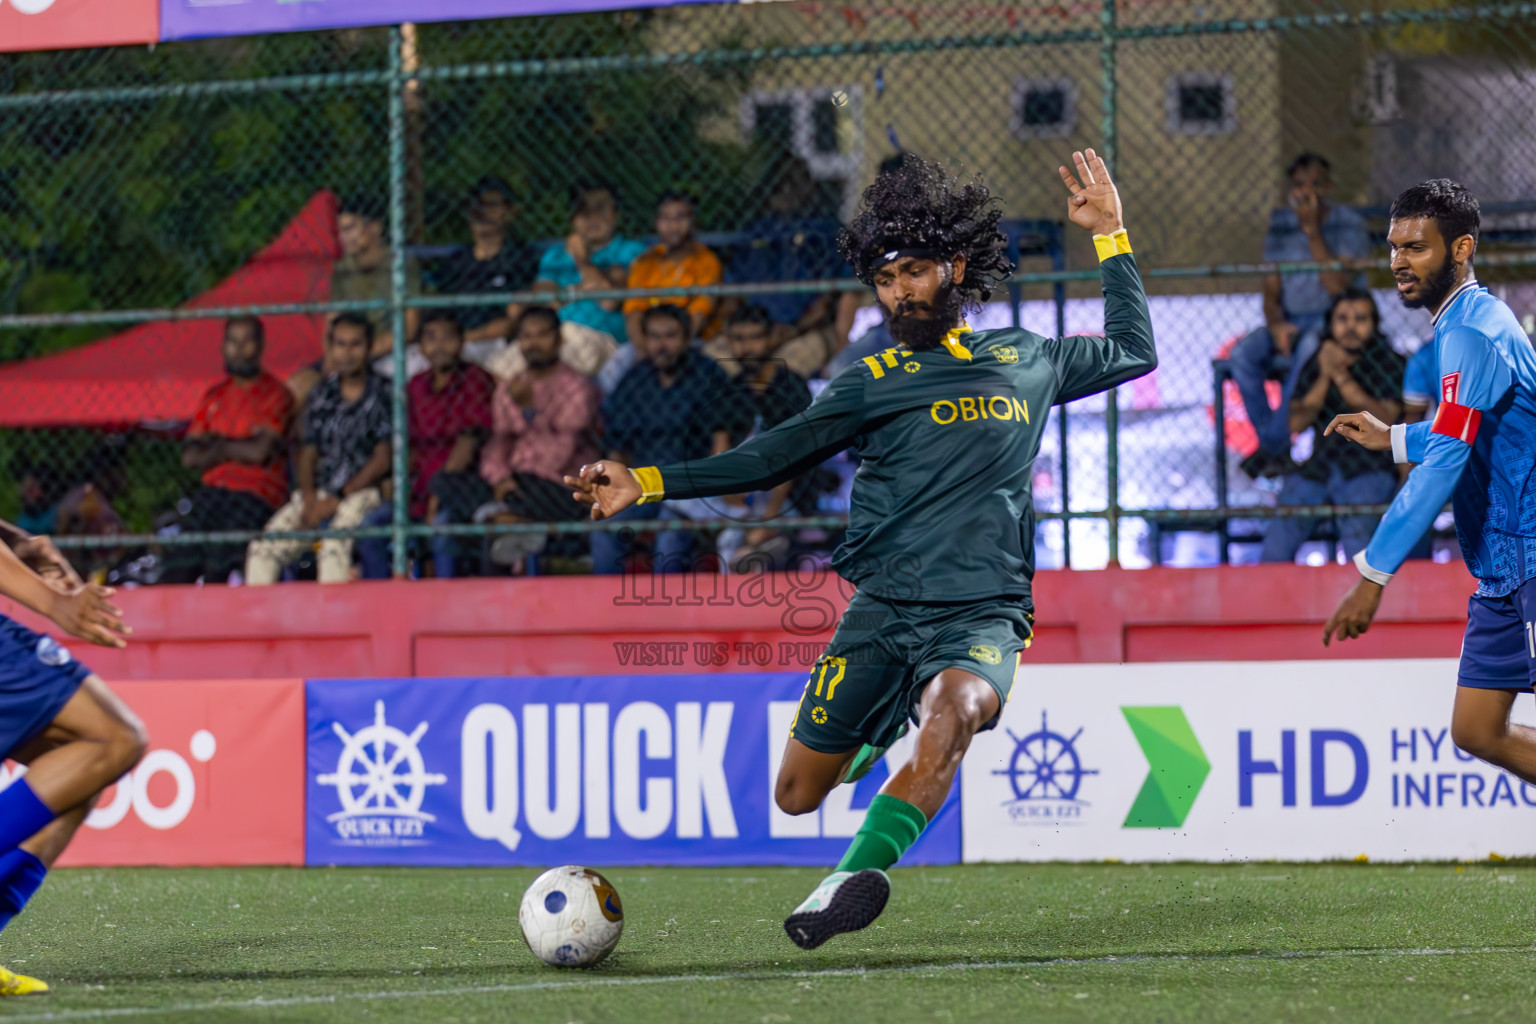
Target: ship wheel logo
[1045, 765]
[380, 771]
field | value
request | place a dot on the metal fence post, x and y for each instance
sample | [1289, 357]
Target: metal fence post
[1107, 43]
[397, 237]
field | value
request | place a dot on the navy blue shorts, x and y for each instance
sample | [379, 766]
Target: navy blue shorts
[37, 678]
[1499, 652]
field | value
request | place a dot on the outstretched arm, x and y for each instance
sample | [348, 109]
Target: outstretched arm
[1087, 364]
[1476, 380]
[789, 449]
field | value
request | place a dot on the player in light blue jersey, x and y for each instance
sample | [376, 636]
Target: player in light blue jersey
[1479, 451]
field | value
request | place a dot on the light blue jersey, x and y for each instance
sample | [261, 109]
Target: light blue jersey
[1479, 450]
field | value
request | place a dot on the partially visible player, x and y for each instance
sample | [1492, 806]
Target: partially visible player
[1480, 452]
[56, 717]
[941, 526]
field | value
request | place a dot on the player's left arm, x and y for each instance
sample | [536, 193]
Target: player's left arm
[1088, 364]
[1475, 380]
[39, 554]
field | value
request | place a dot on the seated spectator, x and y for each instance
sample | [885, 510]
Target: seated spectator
[791, 244]
[764, 393]
[545, 426]
[669, 407]
[239, 440]
[594, 257]
[1309, 228]
[365, 271]
[87, 510]
[343, 457]
[35, 482]
[678, 260]
[449, 413]
[1353, 370]
[496, 260]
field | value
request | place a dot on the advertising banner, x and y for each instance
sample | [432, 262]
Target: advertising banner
[64, 24]
[1233, 761]
[222, 783]
[195, 19]
[600, 770]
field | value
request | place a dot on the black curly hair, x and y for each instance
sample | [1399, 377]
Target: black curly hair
[919, 205]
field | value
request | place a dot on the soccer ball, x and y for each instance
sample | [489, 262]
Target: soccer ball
[571, 917]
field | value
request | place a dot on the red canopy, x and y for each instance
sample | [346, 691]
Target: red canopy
[157, 372]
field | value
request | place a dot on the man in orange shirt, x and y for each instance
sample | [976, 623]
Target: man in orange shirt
[238, 438]
[679, 261]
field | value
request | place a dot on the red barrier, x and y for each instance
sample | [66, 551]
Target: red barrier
[600, 625]
[223, 782]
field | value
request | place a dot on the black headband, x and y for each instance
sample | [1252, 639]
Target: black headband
[915, 254]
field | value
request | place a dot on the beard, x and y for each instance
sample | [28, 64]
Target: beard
[921, 334]
[542, 360]
[242, 371]
[1435, 287]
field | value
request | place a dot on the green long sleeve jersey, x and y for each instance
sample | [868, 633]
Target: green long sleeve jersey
[941, 508]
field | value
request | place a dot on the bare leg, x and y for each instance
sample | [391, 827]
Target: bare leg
[88, 746]
[955, 705]
[806, 776]
[1480, 725]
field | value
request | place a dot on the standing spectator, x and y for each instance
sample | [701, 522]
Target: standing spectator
[790, 244]
[669, 407]
[239, 440]
[496, 260]
[365, 271]
[545, 427]
[678, 260]
[1353, 370]
[764, 393]
[594, 257]
[449, 412]
[344, 454]
[1308, 228]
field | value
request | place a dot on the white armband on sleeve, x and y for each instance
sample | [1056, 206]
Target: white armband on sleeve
[1399, 432]
[1374, 575]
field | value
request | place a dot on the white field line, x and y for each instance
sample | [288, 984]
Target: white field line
[599, 982]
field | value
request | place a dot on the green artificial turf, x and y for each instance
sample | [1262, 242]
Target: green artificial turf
[1109, 942]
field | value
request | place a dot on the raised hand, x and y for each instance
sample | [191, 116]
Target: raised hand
[1095, 202]
[607, 487]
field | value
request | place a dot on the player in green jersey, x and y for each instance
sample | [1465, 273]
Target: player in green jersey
[940, 540]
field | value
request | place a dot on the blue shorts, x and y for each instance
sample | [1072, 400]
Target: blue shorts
[37, 678]
[1499, 652]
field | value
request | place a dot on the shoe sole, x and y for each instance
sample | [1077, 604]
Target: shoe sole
[855, 905]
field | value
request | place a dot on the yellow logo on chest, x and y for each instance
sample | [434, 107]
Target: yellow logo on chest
[1006, 354]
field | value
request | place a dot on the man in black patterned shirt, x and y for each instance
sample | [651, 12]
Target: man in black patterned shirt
[344, 456]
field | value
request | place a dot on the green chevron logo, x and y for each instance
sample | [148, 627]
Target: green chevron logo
[1178, 767]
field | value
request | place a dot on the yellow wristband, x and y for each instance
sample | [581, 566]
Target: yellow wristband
[649, 479]
[1117, 244]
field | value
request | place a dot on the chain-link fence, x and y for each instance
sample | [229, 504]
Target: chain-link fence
[350, 188]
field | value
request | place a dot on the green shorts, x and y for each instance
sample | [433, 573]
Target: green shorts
[870, 680]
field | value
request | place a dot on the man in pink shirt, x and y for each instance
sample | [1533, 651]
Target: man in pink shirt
[544, 426]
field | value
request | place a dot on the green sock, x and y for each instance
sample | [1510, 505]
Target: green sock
[890, 826]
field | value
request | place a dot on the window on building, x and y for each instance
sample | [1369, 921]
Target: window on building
[822, 126]
[1043, 108]
[1201, 104]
